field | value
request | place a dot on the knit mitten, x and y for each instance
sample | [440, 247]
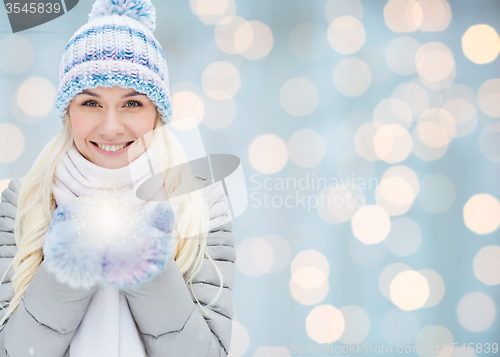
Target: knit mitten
[106, 240]
[139, 259]
[66, 254]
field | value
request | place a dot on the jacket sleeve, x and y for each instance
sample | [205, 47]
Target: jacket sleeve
[49, 314]
[168, 316]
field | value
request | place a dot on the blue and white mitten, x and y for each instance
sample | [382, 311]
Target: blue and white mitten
[67, 254]
[129, 265]
[107, 240]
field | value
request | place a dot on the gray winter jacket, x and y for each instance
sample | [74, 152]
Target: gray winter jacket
[167, 315]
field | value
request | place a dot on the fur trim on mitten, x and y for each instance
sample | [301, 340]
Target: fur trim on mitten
[67, 255]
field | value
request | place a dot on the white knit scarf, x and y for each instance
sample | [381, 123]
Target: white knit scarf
[108, 328]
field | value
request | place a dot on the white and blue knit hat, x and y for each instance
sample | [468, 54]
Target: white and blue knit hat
[116, 48]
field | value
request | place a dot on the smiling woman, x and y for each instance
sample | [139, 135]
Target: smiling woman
[97, 271]
[106, 120]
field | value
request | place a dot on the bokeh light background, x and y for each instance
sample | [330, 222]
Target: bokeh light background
[399, 97]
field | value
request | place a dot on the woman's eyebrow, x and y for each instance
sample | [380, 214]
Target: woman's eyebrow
[131, 94]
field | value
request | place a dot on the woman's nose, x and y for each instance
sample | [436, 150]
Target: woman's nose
[112, 124]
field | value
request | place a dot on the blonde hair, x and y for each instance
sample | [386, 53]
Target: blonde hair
[36, 205]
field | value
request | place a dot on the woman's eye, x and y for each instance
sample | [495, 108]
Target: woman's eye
[133, 103]
[90, 103]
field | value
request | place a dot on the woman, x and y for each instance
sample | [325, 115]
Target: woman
[113, 91]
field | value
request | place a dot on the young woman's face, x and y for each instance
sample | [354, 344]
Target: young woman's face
[110, 117]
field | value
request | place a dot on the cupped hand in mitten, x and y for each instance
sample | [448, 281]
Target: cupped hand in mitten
[110, 240]
[69, 255]
[145, 248]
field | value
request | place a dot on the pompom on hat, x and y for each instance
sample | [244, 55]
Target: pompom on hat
[115, 48]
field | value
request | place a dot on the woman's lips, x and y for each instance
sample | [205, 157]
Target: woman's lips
[111, 153]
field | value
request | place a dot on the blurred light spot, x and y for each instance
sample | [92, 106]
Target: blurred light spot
[325, 324]
[211, 12]
[423, 150]
[437, 193]
[4, 184]
[352, 77]
[255, 257]
[218, 113]
[221, 80]
[224, 34]
[486, 264]
[442, 84]
[476, 311]
[11, 143]
[404, 238]
[397, 190]
[268, 154]
[306, 147]
[272, 351]
[464, 115]
[458, 91]
[434, 61]
[481, 44]
[36, 96]
[403, 15]
[482, 213]
[186, 104]
[310, 269]
[432, 134]
[393, 111]
[371, 224]
[307, 41]
[436, 287]
[346, 35]
[281, 252]
[489, 142]
[326, 211]
[357, 324]
[400, 55]
[392, 143]
[240, 340]
[337, 8]
[409, 290]
[488, 97]
[366, 255]
[414, 96]
[309, 296]
[400, 327]
[253, 40]
[436, 15]
[436, 127]
[363, 140]
[438, 336]
[387, 276]
[17, 54]
[299, 97]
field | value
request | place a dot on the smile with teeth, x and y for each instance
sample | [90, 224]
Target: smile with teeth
[112, 147]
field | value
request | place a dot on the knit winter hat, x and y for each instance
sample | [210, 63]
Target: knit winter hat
[115, 47]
